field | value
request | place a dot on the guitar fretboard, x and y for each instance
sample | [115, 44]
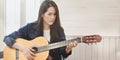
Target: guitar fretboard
[56, 45]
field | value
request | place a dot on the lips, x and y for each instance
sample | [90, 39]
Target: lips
[52, 21]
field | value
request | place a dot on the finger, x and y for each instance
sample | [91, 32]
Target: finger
[34, 51]
[29, 57]
[70, 45]
[75, 43]
[31, 52]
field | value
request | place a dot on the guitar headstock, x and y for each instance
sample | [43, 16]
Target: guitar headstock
[91, 38]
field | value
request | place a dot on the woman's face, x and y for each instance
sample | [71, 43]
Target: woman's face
[49, 16]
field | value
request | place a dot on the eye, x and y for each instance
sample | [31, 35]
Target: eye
[50, 14]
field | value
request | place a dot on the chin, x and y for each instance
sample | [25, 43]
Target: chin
[50, 23]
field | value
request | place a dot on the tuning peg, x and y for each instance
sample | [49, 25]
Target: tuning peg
[95, 43]
[91, 43]
[87, 43]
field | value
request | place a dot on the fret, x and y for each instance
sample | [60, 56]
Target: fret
[57, 45]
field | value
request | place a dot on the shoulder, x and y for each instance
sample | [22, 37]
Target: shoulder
[30, 25]
[62, 33]
[61, 29]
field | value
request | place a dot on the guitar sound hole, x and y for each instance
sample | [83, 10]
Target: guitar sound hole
[35, 48]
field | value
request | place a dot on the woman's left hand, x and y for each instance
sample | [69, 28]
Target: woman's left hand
[70, 46]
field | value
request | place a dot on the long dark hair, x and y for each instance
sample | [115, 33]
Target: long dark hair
[56, 27]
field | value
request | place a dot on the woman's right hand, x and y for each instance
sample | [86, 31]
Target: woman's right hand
[27, 51]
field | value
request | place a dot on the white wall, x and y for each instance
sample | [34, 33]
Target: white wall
[90, 16]
[1, 21]
[12, 16]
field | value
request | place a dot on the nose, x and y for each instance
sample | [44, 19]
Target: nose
[52, 16]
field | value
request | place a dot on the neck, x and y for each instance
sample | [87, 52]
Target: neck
[46, 26]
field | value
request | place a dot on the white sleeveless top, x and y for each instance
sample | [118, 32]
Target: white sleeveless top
[47, 34]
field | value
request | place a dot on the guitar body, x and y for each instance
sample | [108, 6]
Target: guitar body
[10, 53]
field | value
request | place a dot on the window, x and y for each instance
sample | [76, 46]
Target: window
[12, 15]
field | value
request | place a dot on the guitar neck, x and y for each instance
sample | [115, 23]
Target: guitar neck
[56, 45]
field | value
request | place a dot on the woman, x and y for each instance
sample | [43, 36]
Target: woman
[47, 25]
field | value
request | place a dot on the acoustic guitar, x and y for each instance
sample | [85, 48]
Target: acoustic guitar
[41, 46]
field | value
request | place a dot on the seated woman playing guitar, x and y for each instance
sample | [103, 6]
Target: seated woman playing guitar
[47, 25]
